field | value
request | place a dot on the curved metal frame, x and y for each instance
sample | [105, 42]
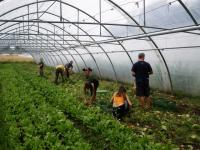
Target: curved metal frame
[73, 37]
[63, 40]
[49, 55]
[130, 17]
[52, 39]
[188, 12]
[43, 39]
[87, 33]
[153, 42]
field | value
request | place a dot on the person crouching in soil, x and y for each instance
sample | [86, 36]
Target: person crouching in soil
[121, 103]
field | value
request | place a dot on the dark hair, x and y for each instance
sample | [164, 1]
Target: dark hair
[121, 91]
[89, 69]
[141, 55]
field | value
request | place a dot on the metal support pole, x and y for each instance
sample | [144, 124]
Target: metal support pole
[78, 24]
[28, 21]
[23, 30]
[38, 15]
[100, 15]
[23, 23]
[19, 35]
[41, 44]
[157, 33]
[35, 45]
[47, 40]
[63, 34]
[54, 36]
[60, 10]
[84, 23]
[144, 3]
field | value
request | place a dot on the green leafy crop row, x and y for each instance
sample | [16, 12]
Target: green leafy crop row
[118, 135]
[31, 122]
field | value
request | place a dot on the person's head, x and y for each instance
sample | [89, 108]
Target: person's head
[121, 90]
[88, 86]
[141, 56]
[87, 71]
[71, 62]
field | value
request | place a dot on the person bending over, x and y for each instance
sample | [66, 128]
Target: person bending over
[91, 84]
[141, 71]
[121, 103]
[68, 67]
[60, 69]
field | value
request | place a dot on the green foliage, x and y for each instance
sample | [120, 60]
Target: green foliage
[40, 115]
[32, 123]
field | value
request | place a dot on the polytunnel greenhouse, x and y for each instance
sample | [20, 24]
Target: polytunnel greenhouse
[107, 37]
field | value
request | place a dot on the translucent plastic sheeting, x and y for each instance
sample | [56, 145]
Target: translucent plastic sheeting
[160, 77]
[122, 66]
[177, 40]
[166, 14]
[134, 45]
[112, 47]
[95, 49]
[184, 69]
[80, 61]
[105, 66]
[194, 7]
[58, 43]
[90, 62]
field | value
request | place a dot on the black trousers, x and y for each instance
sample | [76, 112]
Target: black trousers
[142, 88]
[59, 71]
[119, 112]
[41, 72]
[67, 73]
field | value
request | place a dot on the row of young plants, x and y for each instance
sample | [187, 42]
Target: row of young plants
[3, 129]
[119, 136]
[162, 125]
[180, 128]
[31, 122]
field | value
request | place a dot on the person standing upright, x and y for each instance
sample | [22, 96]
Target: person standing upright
[41, 68]
[141, 71]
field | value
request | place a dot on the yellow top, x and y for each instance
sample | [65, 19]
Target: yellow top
[118, 100]
[60, 67]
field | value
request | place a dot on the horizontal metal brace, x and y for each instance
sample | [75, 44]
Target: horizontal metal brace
[83, 23]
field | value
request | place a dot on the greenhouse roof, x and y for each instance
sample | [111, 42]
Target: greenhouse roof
[108, 35]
